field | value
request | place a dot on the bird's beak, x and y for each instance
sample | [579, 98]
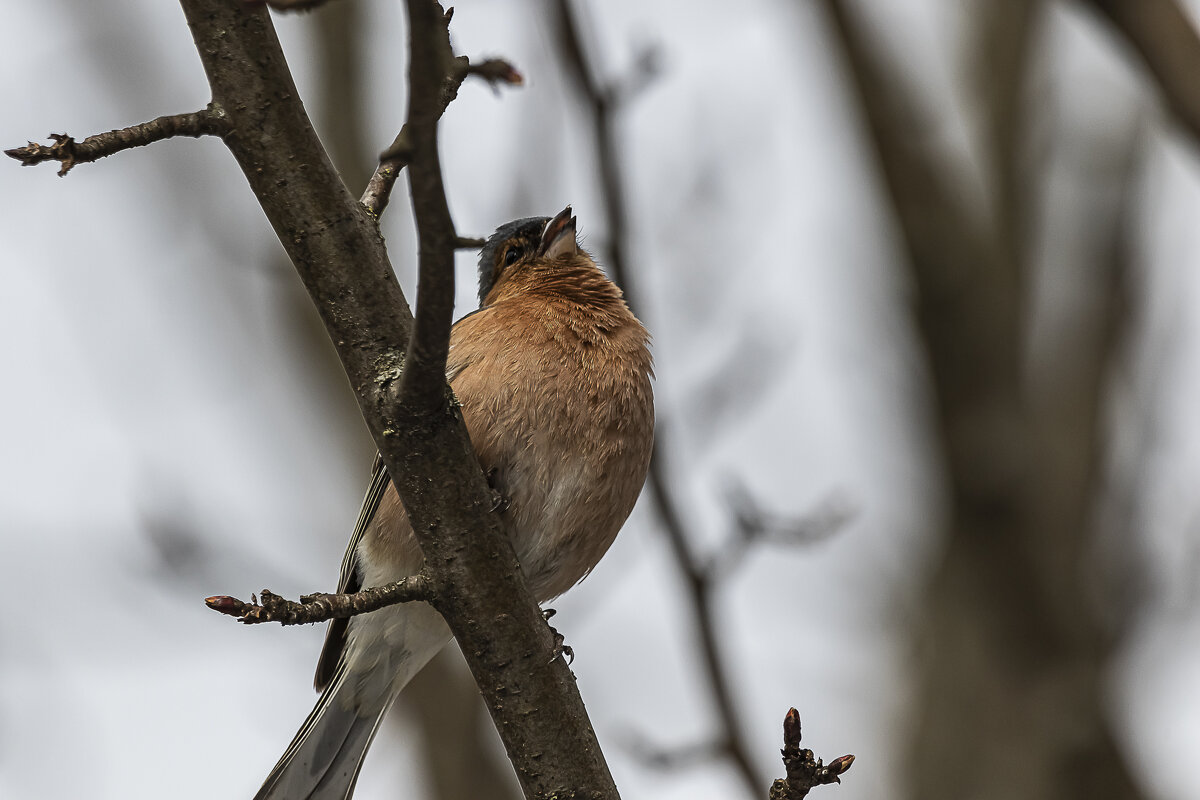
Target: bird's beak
[558, 237]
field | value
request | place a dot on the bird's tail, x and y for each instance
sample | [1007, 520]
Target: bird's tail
[384, 650]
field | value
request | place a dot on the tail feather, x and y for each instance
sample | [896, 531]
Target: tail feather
[324, 759]
[384, 650]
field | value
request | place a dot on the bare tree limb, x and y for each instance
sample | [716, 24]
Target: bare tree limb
[423, 387]
[336, 248]
[1162, 33]
[733, 740]
[209, 122]
[670, 759]
[1004, 35]
[379, 189]
[396, 157]
[752, 525]
[702, 601]
[322, 607]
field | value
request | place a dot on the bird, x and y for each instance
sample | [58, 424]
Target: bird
[553, 374]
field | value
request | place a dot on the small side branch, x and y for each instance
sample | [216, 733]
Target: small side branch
[753, 525]
[803, 769]
[321, 607]
[68, 152]
[496, 71]
[396, 157]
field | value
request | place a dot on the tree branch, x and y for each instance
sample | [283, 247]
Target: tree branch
[209, 122]
[753, 525]
[733, 741]
[322, 607]
[1008, 603]
[496, 71]
[396, 157]
[1162, 33]
[335, 245]
[423, 383]
[604, 101]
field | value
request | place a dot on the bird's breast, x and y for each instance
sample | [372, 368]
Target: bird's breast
[564, 423]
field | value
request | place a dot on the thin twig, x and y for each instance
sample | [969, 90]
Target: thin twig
[734, 741]
[379, 189]
[753, 525]
[423, 381]
[496, 71]
[209, 122]
[396, 157]
[671, 759]
[322, 607]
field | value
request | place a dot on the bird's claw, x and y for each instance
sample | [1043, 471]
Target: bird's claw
[561, 648]
[499, 501]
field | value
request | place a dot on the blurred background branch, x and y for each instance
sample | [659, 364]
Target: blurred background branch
[605, 99]
[1166, 40]
[1012, 602]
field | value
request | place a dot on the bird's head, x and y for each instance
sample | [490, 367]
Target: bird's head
[524, 243]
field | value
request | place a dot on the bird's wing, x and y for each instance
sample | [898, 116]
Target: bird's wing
[349, 577]
[349, 580]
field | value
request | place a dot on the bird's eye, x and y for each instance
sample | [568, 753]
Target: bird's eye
[511, 256]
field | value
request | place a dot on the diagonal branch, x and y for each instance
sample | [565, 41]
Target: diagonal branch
[68, 152]
[733, 740]
[335, 246]
[474, 579]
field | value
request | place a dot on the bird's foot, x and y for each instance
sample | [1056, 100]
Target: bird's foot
[499, 501]
[561, 648]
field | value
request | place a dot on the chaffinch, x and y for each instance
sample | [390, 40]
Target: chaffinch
[553, 373]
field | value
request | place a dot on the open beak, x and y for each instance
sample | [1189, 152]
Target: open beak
[558, 237]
